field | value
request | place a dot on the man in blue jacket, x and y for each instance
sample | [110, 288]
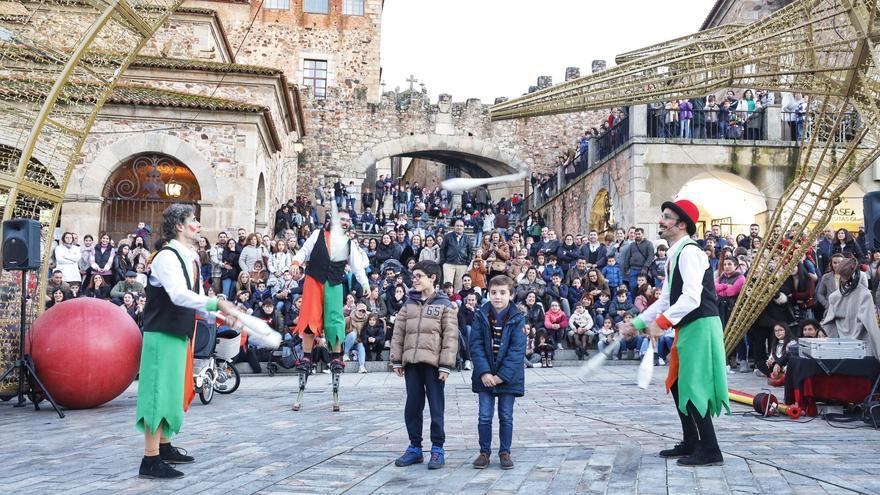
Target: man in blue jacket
[498, 347]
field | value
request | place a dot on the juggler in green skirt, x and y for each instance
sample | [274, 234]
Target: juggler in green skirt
[161, 383]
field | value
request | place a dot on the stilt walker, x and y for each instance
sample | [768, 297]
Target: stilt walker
[326, 253]
[165, 385]
[697, 374]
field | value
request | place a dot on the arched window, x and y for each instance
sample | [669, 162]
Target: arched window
[141, 188]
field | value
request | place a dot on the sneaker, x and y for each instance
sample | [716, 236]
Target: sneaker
[579, 352]
[680, 450]
[468, 365]
[559, 346]
[482, 461]
[303, 364]
[549, 363]
[656, 360]
[702, 458]
[630, 354]
[438, 458]
[758, 373]
[337, 366]
[662, 362]
[363, 369]
[174, 455]
[325, 371]
[413, 455]
[345, 358]
[506, 461]
[543, 361]
[154, 467]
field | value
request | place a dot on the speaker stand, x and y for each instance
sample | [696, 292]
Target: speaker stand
[25, 365]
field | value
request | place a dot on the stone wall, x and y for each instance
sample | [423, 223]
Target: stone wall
[284, 38]
[340, 130]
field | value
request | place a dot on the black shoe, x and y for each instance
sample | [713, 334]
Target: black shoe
[702, 458]
[680, 450]
[154, 467]
[579, 352]
[174, 455]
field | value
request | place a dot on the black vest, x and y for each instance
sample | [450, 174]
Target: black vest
[162, 315]
[101, 257]
[321, 268]
[708, 298]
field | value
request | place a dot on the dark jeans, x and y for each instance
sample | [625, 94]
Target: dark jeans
[375, 348]
[697, 430]
[505, 421]
[423, 381]
[250, 355]
[757, 346]
[463, 339]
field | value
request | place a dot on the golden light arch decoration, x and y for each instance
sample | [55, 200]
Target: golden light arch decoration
[827, 49]
[54, 79]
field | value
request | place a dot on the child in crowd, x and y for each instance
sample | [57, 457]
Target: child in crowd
[606, 334]
[613, 274]
[497, 347]
[545, 349]
[556, 323]
[580, 330]
[621, 306]
[601, 310]
[657, 270]
[532, 356]
[243, 301]
[575, 292]
[811, 329]
[262, 293]
[630, 345]
[783, 341]
[373, 337]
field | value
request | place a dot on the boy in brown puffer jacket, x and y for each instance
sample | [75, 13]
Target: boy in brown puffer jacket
[423, 350]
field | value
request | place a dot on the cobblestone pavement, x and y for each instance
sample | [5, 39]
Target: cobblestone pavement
[598, 436]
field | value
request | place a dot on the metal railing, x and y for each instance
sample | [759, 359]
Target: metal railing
[613, 138]
[796, 124]
[707, 124]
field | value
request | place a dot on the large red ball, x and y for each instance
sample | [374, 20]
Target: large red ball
[86, 351]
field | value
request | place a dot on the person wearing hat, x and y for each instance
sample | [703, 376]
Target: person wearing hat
[697, 374]
[126, 285]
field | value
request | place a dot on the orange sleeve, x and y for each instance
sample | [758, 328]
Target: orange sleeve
[663, 322]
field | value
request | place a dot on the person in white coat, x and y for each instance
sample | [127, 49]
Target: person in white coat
[67, 256]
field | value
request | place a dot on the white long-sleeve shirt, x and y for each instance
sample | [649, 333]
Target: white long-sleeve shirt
[165, 272]
[357, 259]
[692, 264]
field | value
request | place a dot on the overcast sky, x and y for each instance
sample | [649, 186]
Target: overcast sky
[488, 48]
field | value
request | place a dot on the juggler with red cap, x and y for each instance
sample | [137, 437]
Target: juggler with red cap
[697, 366]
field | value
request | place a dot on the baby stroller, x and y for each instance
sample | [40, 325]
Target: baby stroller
[212, 360]
[285, 356]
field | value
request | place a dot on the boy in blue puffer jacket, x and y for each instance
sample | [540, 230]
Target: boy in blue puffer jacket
[498, 347]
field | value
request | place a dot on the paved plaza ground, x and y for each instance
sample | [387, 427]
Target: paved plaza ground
[598, 436]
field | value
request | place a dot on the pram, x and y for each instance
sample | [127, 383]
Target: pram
[285, 356]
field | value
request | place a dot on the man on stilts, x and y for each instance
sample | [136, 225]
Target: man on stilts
[697, 374]
[326, 252]
[165, 385]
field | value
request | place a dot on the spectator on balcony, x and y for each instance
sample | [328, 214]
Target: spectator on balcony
[711, 112]
[671, 121]
[755, 122]
[685, 116]
[699, 119]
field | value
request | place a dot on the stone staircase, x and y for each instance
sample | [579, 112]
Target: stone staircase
[430, 222]
[564, 358]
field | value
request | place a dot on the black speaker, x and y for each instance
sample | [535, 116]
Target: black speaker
[21, 244]
[871, 207]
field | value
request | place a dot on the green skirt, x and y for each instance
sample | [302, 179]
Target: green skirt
[161, 381]
[702, 368]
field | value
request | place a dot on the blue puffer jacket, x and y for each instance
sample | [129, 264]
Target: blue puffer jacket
[509, 364]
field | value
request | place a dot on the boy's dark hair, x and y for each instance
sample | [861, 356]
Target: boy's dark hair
[499, 280]
[429, 268]
[610, 257]
[447, 285]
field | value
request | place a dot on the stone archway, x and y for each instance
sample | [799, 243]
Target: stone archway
[141, 188]
[97, 173]
[484, 154]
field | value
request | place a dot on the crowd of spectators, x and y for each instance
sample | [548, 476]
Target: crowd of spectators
[576, 289]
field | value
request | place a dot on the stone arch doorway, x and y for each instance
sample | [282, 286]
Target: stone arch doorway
[602, 213]
[141, 188]
[726, 200]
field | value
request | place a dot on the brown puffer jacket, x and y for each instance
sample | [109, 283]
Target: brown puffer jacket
[426, 332]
